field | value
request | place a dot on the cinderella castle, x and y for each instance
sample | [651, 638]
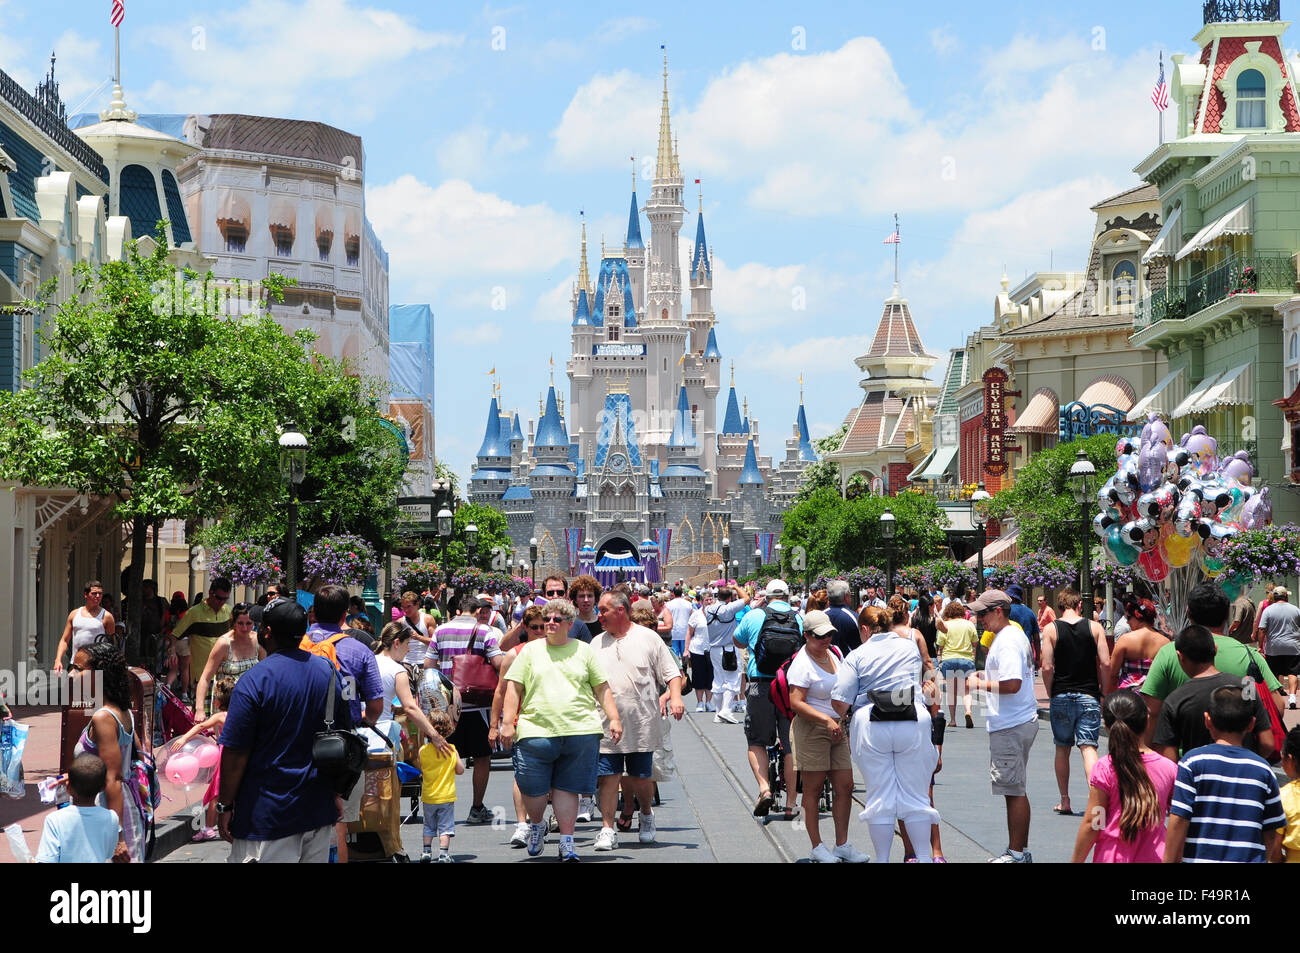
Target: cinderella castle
[632, 477]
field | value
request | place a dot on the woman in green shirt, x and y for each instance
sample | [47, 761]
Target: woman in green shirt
[551, 718]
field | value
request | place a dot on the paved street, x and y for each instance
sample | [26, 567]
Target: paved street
[705, 816]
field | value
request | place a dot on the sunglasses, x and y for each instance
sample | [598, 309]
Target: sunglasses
[555, 593]
[555, 620]
[814, 635]
[534, 628]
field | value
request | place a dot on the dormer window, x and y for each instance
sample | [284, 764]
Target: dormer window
[1123, 282]
[1250, 99]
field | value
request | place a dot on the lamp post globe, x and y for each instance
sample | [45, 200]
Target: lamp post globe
[726, 550]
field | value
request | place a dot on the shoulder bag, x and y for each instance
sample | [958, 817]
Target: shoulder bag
[474, 676]
[338, 754]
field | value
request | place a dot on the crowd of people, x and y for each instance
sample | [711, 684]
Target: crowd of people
[580, 684]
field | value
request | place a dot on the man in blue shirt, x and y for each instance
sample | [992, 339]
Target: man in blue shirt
[271, 805]
[359, 670]
[1024, 617]
[848, 636]
[763, 723]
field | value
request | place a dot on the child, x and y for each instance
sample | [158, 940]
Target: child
[81, 833]
[221, 700]
[1226, 806]
[1128, 791]
[1291, 797]
[438, 791]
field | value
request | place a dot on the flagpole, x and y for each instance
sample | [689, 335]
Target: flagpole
[896, 244]
[117, 55]
[1160, 113]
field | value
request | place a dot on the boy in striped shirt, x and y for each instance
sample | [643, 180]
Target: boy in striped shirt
[1226, 807]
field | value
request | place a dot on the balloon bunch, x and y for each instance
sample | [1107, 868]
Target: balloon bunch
[190, 765]
[1170, 506]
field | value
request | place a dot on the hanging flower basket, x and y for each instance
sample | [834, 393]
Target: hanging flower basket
[1256, 554]
[419, 575]
[339, 560]
[244, 563]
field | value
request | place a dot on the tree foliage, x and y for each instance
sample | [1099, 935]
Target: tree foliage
[837, 534]
[1042, 502]
[493, 545]
[824, 474]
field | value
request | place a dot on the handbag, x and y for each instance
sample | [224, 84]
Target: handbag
[338, 754]
[896, 705]
[474, 676]
[729, 661]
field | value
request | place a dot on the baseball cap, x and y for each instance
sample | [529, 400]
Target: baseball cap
[777, 587]
[818, 623]
[991, 599]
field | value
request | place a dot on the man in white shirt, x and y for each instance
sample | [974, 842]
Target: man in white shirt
[680, 608]
[1008, 680]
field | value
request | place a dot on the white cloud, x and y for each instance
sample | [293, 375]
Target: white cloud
[554, 306]
[793, 358]
[436, 235]
[477, 150]
[608, 118]
[943, 41]
[275, 57]
[620, 28]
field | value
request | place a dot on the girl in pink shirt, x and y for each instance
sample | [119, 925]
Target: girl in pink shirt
[1129, 789]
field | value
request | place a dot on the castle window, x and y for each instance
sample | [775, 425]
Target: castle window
[613, 332]
[1250, 99]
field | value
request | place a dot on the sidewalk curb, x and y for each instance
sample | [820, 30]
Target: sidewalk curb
[170, 834]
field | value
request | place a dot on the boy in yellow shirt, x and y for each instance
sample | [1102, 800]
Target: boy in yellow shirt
[1291, 797]
[438, 791]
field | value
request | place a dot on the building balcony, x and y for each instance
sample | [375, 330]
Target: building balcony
[1239, 275]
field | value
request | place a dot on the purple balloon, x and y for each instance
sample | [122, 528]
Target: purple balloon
[1258, 511]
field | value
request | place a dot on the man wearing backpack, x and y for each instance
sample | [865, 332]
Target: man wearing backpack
[773, 633]
[359, 671]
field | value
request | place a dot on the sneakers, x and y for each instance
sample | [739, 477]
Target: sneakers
[536, 838]
[607, 839]
[709, 707]
[725, 717]
[520, 837]
[479, 815]
[849, 854]
[552, 823]
[586, 808]
[1290, 703]
[646, 829]
[701, 708]
[206, 834]
[1006, 857]
[426, 857]
[821, 854]
[445, 859]
[569, 853]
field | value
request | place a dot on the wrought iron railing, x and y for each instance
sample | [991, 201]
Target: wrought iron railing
[1239, 275]
[45, 121]
[1226, 11]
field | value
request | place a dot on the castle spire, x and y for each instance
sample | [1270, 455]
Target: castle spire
[584, 278]
[665, 161]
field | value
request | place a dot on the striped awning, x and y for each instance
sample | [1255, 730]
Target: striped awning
[1166, 243]
[1236, 222]
[1111, 390]
[1003, 551]
[618, 561]
[1188, 405]
[1163, 398]
[1234, 388]
[1041, 414]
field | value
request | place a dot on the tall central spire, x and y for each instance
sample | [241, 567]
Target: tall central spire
[666, 160]
[584, 278]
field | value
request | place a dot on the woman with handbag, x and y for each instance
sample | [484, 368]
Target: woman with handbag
[722, 618]
[880, 682]
[111, 735]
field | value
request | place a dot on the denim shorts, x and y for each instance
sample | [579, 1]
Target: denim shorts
[440, 819]
[952, 667]
[566, 763]
[638, 764]
[1076, 720]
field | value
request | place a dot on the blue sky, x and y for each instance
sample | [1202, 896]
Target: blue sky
[990, 129]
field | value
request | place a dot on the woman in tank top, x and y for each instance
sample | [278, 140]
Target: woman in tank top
[234, 654]
[85, 624]
[1130, 660]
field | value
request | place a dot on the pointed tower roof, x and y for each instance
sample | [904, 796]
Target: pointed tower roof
[492, 445]
[516, 432]
[711, 348]
[896, 349]
[666, 159]
[750, 472]
[806, 451]
[634, 225]
[550, 430]
[683, 430]
[731, 423]
[583, 314]
[745, 426]
[700, 256]
[584, 278]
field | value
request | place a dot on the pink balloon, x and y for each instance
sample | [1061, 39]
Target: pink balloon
[182, 768]
[208, 756]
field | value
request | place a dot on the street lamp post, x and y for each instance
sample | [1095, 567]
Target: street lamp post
[780, 568]
[532, 557]
[722, 572]
[726, 552]
[758, 561]
[735, 569]
[1081, 473]
[293, 468]
[888, 528]
[979, 501]
[471, 543]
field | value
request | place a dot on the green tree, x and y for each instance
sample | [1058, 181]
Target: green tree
[824, 474]
[1042, 501]
[493, 540]
[836, 534]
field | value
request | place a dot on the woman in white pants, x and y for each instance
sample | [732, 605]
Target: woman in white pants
[721, 616]
[880, 682]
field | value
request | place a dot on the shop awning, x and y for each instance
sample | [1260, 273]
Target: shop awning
[1041, 414]
[1166, 243]
[936, 465]
[1236, 222]
[1163, 398]
[920, 467]
[1111, 390]
[1188, 406]
[1003, 551]
[1234, 388]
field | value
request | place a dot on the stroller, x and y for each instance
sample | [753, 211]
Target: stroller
[171, 716]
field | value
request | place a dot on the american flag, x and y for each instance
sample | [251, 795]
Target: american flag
[893, 239]
[119, 11]
[1160, 95]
